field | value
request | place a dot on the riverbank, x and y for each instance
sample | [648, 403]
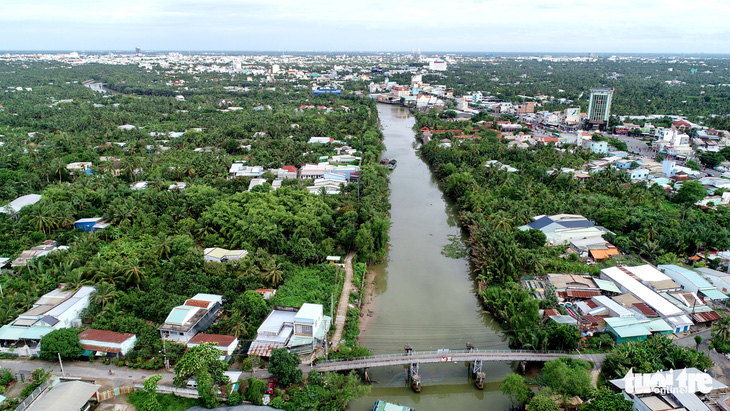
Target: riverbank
[366, 305]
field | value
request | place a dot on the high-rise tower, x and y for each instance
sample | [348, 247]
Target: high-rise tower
[599, 106]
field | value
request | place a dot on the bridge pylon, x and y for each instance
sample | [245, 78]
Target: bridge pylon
[412, 375]
[476, 367]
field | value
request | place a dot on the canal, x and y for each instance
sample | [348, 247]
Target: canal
[423, 298]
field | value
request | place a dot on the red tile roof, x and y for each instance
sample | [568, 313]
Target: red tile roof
[551, 311]
[222, 340]
[595, 320]
[197, 303]
[104, 336]
[591, 304]
[290, 169]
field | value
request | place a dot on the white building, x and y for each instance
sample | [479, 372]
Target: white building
[221, 255]
[242, 170]
[56, 309]
[299, 330]
[226, 344]
[20, 202]
[194, 316]
[108, 343]
[437, 65]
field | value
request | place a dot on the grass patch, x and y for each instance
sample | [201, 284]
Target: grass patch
[168, 402]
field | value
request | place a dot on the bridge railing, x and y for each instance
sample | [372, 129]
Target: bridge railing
[441, 352]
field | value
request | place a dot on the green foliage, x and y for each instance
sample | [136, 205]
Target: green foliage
[606, 400]
[207, 390]
[255, 391]
[234, 398]
[542, 402]
[37, 378]
[284, 366]
[618, 144]
[334, 391]
[516, 389]
[6, 377]
[150, 402]
[455, 248]
[531, 238]
[568, 377]
[200, 360]
[654, 354]
[64, 341]
[690, 192]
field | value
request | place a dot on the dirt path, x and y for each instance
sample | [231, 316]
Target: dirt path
[344, 301]
[366, 295]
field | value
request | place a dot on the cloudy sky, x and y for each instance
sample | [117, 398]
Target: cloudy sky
[659, 26]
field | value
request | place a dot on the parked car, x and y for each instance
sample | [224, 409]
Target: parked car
[270, 388]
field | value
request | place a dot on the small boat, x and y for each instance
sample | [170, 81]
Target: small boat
[381, 405]
[392, 164]
[384, 162]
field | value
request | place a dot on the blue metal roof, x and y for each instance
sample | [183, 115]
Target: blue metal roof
[576, 223]
[540, 223]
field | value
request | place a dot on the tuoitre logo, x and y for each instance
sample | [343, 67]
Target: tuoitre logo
[672, 381]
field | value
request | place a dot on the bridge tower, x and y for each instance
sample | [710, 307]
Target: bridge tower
[476, 367]
[412, 374]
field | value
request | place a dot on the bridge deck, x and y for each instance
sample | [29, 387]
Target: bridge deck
[449, 356]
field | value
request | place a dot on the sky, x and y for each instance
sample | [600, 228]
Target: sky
[582, 26]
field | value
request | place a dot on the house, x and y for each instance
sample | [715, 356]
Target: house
[127, 127]
[66, 395]
[91, 224]
[691, 281]
[227, 344]
[720, 279]
[57, 309]
[179, 185]
[320, 140]
[14, 206]
[635, 329]
[266, 292]
[46, 248]
[627, 283]
[194, 316]
[140, 185]
[638, 174]
[563, 228]
[299, 330]
[286, 172]
[221, 255]
[497, 164]
[241, 170]
[684, 389]
[107, 343]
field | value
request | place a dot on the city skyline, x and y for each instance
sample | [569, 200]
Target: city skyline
[374, 25]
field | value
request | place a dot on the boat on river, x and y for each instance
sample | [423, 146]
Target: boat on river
[381, 405]
[392, 164]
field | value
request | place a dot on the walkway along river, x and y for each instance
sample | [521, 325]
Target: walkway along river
[422, 297]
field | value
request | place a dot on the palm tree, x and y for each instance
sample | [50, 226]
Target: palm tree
[133, 273]
[104, 293]
[163, 248]
[722, 329]
[75, 280]
[272, 272]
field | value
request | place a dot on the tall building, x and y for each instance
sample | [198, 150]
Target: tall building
[599, 106]
[137, 51]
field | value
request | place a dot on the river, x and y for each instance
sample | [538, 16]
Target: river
[422, 297]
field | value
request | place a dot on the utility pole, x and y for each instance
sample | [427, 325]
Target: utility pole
[164, 353]
[61, 362]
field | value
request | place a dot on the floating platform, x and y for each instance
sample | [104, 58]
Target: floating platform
[381, 405]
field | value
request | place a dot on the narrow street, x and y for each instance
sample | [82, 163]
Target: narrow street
[722, 364]
[344, 301]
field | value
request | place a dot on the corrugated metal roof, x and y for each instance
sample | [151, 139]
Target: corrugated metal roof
[706, 317]
[104, 336]
[263, 349]
[646, 310]
[582, 293]
[92, 347]
[222, 340]
[606, 285]
[714, 294]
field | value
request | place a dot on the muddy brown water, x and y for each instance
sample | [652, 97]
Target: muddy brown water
[422, 297]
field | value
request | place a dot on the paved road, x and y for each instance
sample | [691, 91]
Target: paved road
[635, 145]
[341, 314]
[98, 371]
[722, 364]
